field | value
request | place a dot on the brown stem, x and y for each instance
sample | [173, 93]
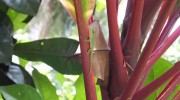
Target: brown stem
[83, 29]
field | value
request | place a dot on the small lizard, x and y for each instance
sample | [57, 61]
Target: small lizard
[90, 51]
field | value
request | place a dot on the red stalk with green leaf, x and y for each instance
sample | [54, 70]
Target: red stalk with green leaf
[128, 66]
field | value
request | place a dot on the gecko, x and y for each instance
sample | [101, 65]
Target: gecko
[90, 51]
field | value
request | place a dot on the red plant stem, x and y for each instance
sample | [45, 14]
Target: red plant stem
[150, 9]
[177, 96]
[127, 19]
[104, 93]
[157, 54]
[83, 29]
[132, 43]
[139, 69]
[172, 19]
[118, 73]
[169, 88]
[150, 88]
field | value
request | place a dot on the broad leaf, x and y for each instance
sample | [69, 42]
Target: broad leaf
[80, 89]
[46, 89]
[69, 5]
[6, 41]
[53, 52]
[19, 92]
[29, 7]
[87, 6]
[160, 67]
[19, 75]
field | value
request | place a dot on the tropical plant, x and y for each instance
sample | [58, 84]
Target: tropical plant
[127, 67]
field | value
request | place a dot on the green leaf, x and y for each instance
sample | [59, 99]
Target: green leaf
[100, 5]
[46, 89]
[87, 6]
[19, 75]
[60, 78]
[23, 62]
[160, 67]
[29, 7]
[3, 7]
[19, 92]
[53, 52]
[6, 47]
[4, 80]
[1, 96]
[17, 19]
[80, 89]
[69, 6]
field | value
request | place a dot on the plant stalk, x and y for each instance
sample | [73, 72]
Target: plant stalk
[177, 96]
[132, 43]
[83, 29]
[172, 19]
[157, 54]
[118, 73]
[135, 78]
[150, 88]
[169, 88]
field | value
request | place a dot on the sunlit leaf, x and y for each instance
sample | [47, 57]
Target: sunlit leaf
[17, 19]
[1, 96]
[60, 78]
[87, 6]
[46, 89]
[29, 7]
[160, 67]
[23, 62]
[53, 52]
[69, 5]
[19, 92]
[100, 5]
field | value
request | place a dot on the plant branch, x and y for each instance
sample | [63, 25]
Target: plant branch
[150, 88]
[132, 43]
[139, 69]
[177, 96]
[169, 88]
[83, 29]
[118, 73]
[157, 54]
[104, 93]
[172, 19]
[127, 19]
[151, 7]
